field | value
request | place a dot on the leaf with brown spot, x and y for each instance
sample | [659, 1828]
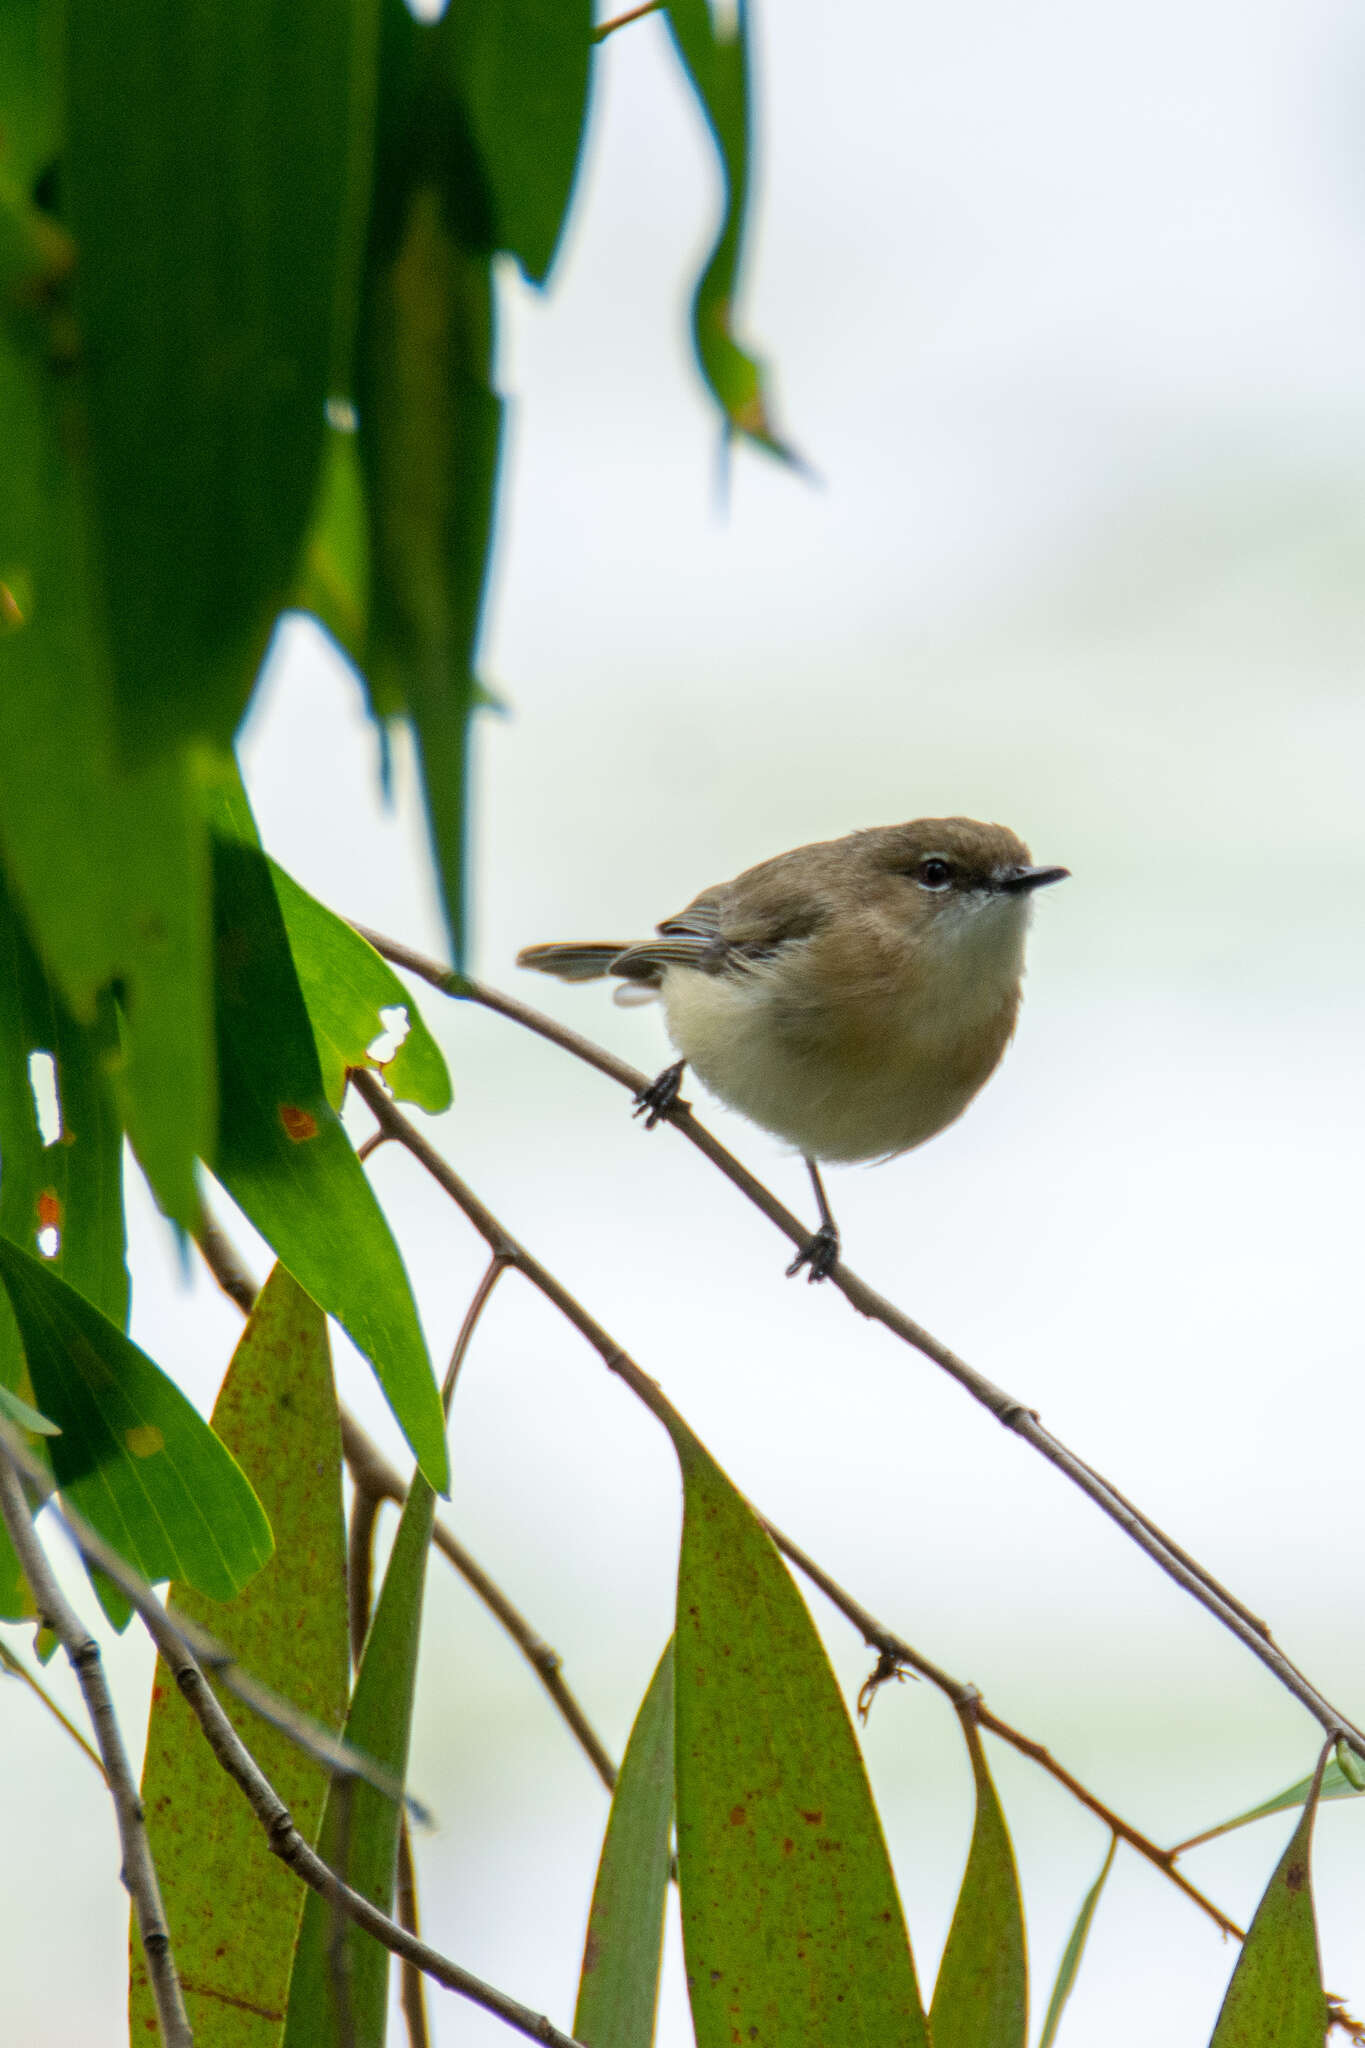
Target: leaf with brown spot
[792, 1928]
[233, 1907]
[1276, 1994]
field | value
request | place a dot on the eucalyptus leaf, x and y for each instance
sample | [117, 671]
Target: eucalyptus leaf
[792, 1928]
[133, 1455]
[618, 1987]
[981, 1996]
[1276, 1990]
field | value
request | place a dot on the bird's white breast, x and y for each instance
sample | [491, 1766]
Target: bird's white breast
[859, 1045]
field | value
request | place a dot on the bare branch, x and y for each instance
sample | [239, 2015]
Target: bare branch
[1186, 1571]
[609, 28]
[83, 1653]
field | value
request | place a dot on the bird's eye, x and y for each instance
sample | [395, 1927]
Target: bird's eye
[934, 873]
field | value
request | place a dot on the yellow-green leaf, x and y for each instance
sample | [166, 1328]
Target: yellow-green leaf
[618, 1988]
[981, 1996]
[792, 1928]
[233, 1908]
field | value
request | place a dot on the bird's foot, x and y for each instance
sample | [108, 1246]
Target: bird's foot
[820, 1253]
[661, 1096]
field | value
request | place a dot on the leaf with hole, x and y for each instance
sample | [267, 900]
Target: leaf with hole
[285, 1159]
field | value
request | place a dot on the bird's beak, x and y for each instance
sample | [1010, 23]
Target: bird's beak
[1022, 881]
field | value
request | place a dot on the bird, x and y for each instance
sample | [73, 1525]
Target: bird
[851, 996]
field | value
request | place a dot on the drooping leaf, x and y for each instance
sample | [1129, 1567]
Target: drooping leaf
[792, 1928]
[520, 71]
[218, 250]
[430, 426]
[717, 61]
[334, 584]
[1276, 1993]
[981, 1996]
[135, 912]
[232, 1907]
[346, 986]
[28, 92]
[1335, 1785]
[1074, 1952]
[285, 1159]
[618, 1989]
[133, 1455]
[67, 1186]
[359, 1834]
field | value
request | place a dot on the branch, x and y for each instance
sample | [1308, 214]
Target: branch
[893, 1652]
[138, 1871]
[371, 1470]
[1176, 1562]
[172, 1639]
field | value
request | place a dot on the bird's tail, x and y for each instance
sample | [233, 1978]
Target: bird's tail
[573, 962]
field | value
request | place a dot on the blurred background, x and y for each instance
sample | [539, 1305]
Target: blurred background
[1066, 309]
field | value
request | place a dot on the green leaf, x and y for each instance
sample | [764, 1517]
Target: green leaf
[69, 1185]
[1335, 1785]
[345, 986]
[212, 198]
[520, 72]
[981, 1997]
[133, 1455]
[430, 430]
[26, 1417]
[792, 1928]
[717, 61]
[28, 98]
[232, 1907]
[1276, 1990]
[618, 1989]
[334, 584]
[285, 1159]
[136, 914]
[1073, 1954]
[359, 1835]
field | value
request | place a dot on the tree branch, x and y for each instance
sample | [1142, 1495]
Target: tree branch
[83, 1653]
[893, 1652]
[1177, 1563]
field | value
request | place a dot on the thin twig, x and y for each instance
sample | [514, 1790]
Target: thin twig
[1012, 1413]
[288, 1844]
[889, 1646]
[360, 1565]
[138, 1870]
[609, 28]
[496, 1267]
[225, 1263]
[895, 1655]
[172, 1639]
[372, 1470]
[413, 1994]
[20, 1670]
[335, 1756]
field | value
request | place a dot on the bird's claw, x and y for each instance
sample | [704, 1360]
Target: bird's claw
[820, 1253]
[662, 1095]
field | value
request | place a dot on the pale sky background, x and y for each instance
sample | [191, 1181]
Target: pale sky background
[1066, 307]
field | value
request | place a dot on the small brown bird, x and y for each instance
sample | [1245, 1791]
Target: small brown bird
[851, 996]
